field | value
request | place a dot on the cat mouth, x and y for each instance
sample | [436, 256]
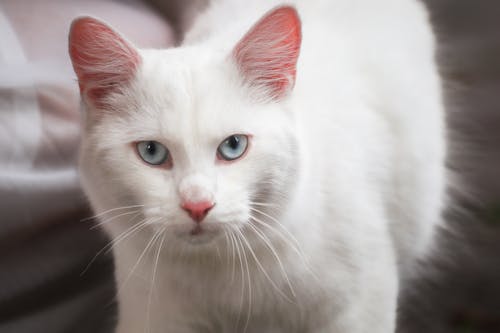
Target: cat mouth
[199, 234]
[197, 230]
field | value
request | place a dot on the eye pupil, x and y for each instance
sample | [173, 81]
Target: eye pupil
[151, 148]
[234, 142]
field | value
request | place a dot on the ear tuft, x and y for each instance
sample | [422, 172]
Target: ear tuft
[103, 60]
[267, 55]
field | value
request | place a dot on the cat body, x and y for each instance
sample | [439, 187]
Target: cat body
[337, 194]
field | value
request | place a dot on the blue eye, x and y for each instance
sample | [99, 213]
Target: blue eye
[233, 147]
[152, 152]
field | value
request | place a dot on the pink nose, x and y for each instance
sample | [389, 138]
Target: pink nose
[197, 210]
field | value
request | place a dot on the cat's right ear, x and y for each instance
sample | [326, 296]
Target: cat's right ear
[102, 59]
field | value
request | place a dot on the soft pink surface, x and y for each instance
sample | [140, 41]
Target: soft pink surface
[40, 114]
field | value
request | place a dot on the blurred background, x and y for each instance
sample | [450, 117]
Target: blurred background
[459, 290]
[46, 243]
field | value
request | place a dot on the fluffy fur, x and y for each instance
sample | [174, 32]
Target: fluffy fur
[338, 194]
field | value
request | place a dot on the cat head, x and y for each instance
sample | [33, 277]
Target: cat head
[194, 140]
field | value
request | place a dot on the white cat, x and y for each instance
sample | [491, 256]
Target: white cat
[279, 172]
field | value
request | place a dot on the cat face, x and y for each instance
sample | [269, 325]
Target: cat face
[196, 144]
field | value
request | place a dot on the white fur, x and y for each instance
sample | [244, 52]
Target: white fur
[350, 164]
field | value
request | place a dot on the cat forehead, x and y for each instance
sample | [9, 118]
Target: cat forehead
[179, 92]
[186, 78]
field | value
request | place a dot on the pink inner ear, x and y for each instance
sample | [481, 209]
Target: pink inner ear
[102, 59]
[267, 55]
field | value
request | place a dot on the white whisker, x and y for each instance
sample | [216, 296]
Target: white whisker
[153, 278]
[240, 259]
[287, 241]
[261, 267]
[115, 241]
[292, 238]
[155, 236]
[110, 211]
[264, 238]
[283, 236]
[239, 237]
[263, 204]
[136, 212]
[233, 259]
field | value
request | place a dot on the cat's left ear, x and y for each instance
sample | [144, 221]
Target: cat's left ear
[267, 55]
[103, 60]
